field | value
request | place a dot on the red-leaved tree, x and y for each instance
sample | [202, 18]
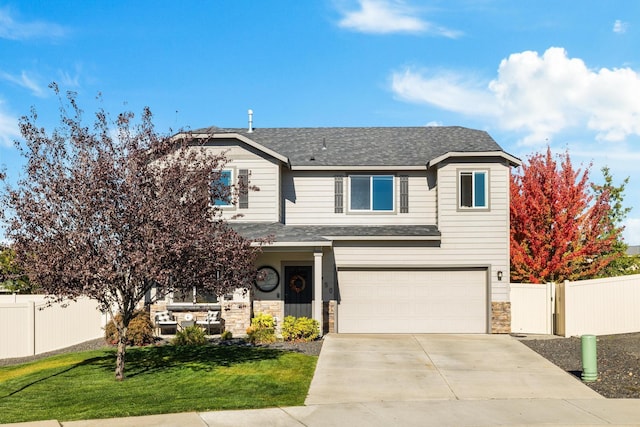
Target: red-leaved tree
[559, 229]
[114, 213]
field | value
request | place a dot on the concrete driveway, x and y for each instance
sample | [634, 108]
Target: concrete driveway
[356, 368]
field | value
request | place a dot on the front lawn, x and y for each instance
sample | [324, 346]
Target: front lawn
[162, 379]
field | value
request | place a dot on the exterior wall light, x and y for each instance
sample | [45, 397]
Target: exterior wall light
[499, 275]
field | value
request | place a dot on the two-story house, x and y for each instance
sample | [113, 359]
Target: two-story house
[376, 230]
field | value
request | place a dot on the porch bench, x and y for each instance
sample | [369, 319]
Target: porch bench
[212, 320]
[165, 320]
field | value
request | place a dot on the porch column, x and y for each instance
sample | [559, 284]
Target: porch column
[317, 287]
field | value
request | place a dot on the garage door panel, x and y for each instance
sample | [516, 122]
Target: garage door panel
[412, 301]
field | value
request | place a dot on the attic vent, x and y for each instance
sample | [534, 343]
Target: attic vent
[250, 121]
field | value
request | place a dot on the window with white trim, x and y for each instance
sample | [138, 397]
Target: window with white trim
[474, 189]
[371, 193]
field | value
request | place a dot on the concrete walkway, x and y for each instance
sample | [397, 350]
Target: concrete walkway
[420, 380]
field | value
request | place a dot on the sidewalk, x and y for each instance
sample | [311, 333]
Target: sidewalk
[525, 412]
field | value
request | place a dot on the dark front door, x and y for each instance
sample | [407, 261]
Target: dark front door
[298, 290]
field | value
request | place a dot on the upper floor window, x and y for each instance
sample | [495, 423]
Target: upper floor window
[474, 190]
[226, 181]
[371, 193]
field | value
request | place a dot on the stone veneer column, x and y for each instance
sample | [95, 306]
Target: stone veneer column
[237, 317]
[273, 307]
[329, 316]
[500, 317]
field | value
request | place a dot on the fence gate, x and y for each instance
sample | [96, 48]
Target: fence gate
[532, 308]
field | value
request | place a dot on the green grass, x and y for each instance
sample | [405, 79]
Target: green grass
[158, 380]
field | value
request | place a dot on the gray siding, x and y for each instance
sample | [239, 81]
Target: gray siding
[469, 238]
[309, 198]
[264, 174]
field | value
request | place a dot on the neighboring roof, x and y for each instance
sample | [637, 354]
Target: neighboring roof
[324, 235]
[364, 146]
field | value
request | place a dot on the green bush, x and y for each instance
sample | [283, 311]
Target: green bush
[139, 332]
[191, 335]
[300, 329]
[226, 335]
[262, 329]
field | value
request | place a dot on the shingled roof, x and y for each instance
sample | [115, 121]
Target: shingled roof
[326, 233]
[364, 146]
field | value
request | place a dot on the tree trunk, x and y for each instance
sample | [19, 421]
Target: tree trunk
[122, 348]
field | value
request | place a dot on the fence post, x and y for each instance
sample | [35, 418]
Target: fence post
[549, 308]
[31, 327]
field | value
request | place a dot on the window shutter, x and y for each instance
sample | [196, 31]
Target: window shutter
[339, 191]
[404, 194]
[243, 184]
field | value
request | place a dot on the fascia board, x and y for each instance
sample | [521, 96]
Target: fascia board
[357, 168]
[514, 161]
[289, 244]
[384, 238]
[239, 137]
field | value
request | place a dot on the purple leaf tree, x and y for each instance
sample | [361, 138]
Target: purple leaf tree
[115, 210]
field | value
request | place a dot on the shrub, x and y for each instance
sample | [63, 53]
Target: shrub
[300, 329]
[226, 335]
[262, 329]
[140, 331]
[191, 335]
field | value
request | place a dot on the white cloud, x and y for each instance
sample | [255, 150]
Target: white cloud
[390, 16]
[446, 90]
[68, 80]
[620, 27]
[537, 95]
[12, 29]
[552, 92]
[24, 81]
[9, 130]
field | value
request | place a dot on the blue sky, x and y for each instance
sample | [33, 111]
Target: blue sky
[563, 73]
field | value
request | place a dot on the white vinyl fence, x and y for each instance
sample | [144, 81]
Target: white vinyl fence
[599, 306]
[595, 307]
[27, 327]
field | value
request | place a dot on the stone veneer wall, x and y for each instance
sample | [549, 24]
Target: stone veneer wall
[235, 313]
[274, 308]
[156, 307]
[329, 317]
[500, 317]
[237, 317]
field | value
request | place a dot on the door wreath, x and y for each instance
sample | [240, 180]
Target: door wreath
[297, 283]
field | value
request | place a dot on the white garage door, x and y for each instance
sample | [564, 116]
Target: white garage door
[412, 301]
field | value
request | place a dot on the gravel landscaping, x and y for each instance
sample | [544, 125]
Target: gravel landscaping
[618, 359]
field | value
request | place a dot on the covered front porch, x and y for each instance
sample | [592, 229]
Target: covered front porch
[299, 278]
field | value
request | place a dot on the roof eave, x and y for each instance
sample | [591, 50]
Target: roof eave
[513, 161]
[239, 137]
[292, 243]
[357, 167]
[384, 238]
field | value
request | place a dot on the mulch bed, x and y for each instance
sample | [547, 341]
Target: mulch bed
[618, 358]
